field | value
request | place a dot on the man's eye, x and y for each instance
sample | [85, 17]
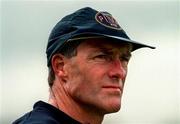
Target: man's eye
[103, 57]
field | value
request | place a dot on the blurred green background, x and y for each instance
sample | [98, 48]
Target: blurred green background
[152, 90]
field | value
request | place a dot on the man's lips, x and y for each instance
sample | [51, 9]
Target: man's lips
[112, 87]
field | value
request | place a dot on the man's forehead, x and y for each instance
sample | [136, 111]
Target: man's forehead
[106, 43]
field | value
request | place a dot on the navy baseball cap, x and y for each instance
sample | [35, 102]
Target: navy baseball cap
[86, 23]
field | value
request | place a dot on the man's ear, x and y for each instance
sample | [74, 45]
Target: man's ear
[58, 62]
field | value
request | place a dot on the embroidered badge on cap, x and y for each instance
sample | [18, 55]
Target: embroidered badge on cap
[107, 20]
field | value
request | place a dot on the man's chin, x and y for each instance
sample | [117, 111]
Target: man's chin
[114, 108]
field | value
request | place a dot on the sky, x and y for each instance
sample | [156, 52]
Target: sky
[152, 89]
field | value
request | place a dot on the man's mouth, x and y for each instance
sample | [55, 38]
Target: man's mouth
[113, 88]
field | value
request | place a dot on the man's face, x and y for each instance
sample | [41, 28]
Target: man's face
[96, 76]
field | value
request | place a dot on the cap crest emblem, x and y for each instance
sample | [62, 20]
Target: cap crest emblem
[106, 19]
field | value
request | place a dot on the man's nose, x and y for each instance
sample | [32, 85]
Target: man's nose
[117, 70]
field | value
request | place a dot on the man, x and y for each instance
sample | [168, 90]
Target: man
[88, 54]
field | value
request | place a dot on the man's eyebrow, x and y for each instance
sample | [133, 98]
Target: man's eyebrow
[106, 50]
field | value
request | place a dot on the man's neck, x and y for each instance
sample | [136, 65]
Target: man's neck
[65, 103]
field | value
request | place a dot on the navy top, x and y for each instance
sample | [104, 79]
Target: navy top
[44, 113]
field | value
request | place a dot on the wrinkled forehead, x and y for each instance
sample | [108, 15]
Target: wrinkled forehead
[107, 43]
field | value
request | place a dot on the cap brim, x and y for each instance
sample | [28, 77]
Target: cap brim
[136, 45]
